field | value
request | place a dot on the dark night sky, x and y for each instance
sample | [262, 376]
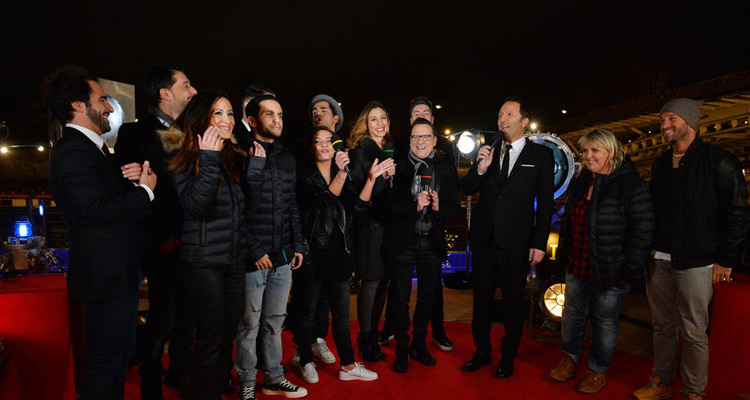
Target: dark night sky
[467, 58]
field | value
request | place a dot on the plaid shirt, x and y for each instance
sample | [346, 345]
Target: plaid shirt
[578, 260]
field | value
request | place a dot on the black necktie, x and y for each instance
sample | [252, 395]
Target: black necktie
[506, 166]
[105, 150]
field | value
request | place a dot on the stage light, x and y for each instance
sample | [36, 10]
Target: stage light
[23, 228]
[447, 131]
[533, 126]
[553, 301]
[4, 149]
[564, 111]
[452, 138]
[40, 147]
[467, 144]
[438, 106]
[41, 208]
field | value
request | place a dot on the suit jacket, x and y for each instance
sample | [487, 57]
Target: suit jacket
[132, 138]
[99, 208]
[138, 142]
[506, 216]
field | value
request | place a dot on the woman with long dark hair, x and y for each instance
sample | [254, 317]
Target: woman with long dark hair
[369, 139]
[207, 174]
[605, 239]
[327, 202]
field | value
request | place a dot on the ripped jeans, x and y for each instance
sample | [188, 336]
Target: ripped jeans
[266, 295]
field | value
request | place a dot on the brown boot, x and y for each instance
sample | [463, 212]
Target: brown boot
[693, 396]
[655, 389]
[565, 370]
[592, 383]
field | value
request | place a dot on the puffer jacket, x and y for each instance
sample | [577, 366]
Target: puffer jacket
[273, 217]
[213, 229]
[708, 200]
[620, 226]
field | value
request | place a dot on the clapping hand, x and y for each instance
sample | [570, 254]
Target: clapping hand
[211, 140]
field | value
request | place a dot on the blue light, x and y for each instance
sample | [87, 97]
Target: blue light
[41, 208]
[23, 228]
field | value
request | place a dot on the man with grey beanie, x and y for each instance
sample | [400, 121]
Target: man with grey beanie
[700, 203]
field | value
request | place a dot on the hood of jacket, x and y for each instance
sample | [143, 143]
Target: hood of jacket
[171, 139]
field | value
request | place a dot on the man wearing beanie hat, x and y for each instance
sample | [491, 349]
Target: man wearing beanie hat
[700, 202]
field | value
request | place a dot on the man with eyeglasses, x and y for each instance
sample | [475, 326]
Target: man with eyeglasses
[424, 195]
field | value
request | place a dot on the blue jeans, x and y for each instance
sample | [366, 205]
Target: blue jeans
[583, 301]
[266, 295]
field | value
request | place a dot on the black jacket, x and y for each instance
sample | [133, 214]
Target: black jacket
[506, 216]
[100, 210]
[707, 203]
[620, 226]
[273, 217]
[213, 232]
[361, 160]
[400, 229]
[138, 142]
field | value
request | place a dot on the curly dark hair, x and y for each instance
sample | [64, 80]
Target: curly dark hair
[64, 86]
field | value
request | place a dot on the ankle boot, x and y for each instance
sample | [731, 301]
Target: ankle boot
[366, 349]
[376, 346]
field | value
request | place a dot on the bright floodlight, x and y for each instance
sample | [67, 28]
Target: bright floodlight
[438, 106]
[40, 148]
[564, 111]
[447, 131]
[3, 149]
[467, 143]
[533, 126]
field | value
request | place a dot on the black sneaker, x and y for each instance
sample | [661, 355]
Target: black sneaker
[247, 393]
[285, 388]
[442, 341]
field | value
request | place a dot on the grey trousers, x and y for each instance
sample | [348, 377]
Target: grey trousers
[679, 302]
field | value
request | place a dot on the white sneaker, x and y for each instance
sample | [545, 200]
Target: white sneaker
[309, 374]
[320, 350]
[358, 373]
[295, 359]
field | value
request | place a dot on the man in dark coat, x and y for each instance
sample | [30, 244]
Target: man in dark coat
[700, 204]
[100, 206]
[168, 90]
[509, 228]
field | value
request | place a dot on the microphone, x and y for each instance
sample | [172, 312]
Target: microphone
[426, 178]
[389, 153]
[338, 145]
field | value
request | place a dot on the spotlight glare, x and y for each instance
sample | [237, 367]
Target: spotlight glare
[533, 126]
[3, 149]
[564, 111]
[447, 131]
[40, 147]
[438, 106]
[466, 143]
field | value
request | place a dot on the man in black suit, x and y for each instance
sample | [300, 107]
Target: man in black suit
[168, 90]
[508, 231]
[99, 205]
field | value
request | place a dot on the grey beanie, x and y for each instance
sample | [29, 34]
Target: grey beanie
[687, 109]
[334, 106]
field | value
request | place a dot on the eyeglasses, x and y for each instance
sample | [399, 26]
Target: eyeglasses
[417, 138]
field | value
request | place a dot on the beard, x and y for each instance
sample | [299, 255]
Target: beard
[266, 133]
[97, 119]
[680, 133]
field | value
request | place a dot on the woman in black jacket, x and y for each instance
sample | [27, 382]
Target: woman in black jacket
[605, 239]
[327, 201]
[369, 140]
[207, 175]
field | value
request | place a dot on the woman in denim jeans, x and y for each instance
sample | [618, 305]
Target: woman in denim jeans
[605, 238]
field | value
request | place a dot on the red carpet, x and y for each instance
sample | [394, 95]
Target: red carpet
[446, 381]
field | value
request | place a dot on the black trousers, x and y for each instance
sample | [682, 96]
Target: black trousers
[437, 320]
[217, 299]
[320, 319]
[304, 303]
[109, 338]
[508, 269]
[428, 270]
[168, 318]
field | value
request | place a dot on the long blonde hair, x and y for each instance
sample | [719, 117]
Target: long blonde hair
[359, 130]
[605, 139]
